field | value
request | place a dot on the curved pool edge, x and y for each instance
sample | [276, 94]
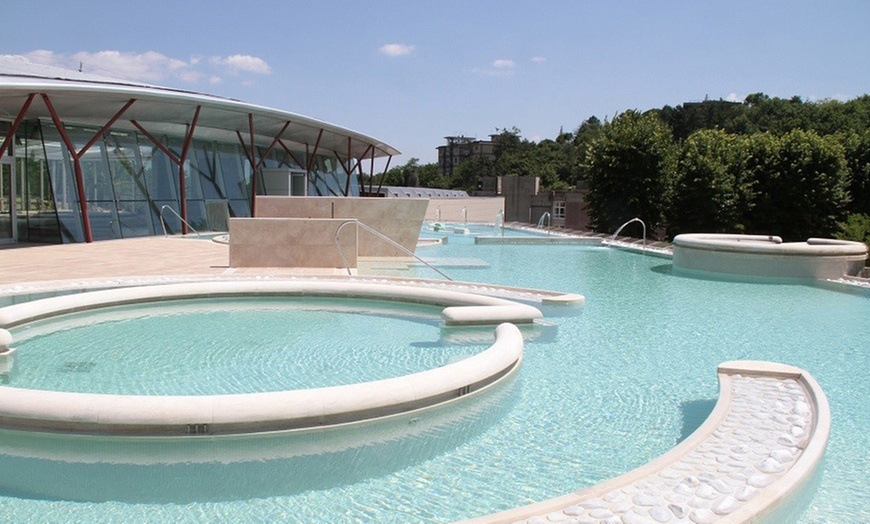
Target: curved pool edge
[768, 256]
[730, 491]
[129, 415]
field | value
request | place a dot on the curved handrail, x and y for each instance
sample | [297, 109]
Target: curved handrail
[163, 222]
[635, 219]
[383, 237]
[546, 216]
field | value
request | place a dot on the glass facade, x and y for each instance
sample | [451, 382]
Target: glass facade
[128, 181]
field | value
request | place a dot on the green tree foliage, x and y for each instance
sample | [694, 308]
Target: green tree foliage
[629, 171]
[800, 186]
[710, 193]
[857, 151]
[856, 227]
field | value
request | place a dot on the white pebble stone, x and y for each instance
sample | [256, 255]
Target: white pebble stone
[699, 503]
[676, 498]
[612, 520]
[678, 510]
[621, 507]
[557, 517]
[797, 432]
[759, 480]
[660, 513]
[633, 518]
[745, 493]
[692, 481]
[787, 440]
[593, 504]
[600, 513]
[703, 516]
[573, 511]
[721, 486]
[683, 489]
[537, 520]
[725, 505]
[801, 408]
[782, 455]
[741, 449]
[706, 492]
[644, 499]
[770, 465]
[613, 496]
[670, 474]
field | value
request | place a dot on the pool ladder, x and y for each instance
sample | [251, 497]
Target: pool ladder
[174, 212]
[618, 231]
[384, 237]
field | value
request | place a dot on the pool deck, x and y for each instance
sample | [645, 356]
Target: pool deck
[760, 445]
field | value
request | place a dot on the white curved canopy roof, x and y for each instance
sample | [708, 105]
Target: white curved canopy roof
[91, 100]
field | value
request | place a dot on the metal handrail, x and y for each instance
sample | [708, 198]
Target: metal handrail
[635, 219]
[383, 237]
[174, 212]
[546, 216]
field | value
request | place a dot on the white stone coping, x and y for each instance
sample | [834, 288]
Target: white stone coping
[771, 245]
[494, 290]
[496, 310]
[84, 413]
[760, 445]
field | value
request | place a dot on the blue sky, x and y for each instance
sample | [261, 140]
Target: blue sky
[412, 72]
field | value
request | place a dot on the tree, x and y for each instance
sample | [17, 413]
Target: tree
[856, 147]
[630, 169]
[710, 193]
[800, 184]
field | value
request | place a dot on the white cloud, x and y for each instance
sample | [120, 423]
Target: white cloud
[246, 63]
[539, 59]
[734, 97]
[149, 66]
[499, 67]
[154, 67]
[396, 49]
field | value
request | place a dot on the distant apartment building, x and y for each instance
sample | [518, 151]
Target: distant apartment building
[460, 148]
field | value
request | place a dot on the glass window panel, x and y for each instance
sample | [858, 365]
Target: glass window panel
[236, 172]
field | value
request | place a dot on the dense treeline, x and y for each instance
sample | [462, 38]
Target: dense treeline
[768, 165]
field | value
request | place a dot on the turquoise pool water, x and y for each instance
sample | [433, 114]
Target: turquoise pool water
[618, 382]
[230, 346]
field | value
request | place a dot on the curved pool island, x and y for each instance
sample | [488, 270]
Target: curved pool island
[768, 256]
[232, 414]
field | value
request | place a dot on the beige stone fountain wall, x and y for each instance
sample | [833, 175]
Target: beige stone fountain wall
[300, 231]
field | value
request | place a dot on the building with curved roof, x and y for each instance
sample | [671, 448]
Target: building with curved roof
[86, 157]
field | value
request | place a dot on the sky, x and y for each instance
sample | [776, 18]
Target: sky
[413, 72]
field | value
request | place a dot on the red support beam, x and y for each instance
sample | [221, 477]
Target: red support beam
[347, 184]
[272, 145]
[182, 190]
[384, 175]
[291, 154]
[77, 157]
[77, 166]
[166, 151]
[254, 165]
[313, 153]
[11, 133]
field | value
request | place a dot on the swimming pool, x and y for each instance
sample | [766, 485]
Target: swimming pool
[230, 346]
[617, 385]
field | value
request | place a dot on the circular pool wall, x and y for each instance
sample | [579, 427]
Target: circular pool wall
[768, 256]
[84, 413]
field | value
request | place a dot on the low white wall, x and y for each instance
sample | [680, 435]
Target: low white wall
[768, 256]
[477, 209]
